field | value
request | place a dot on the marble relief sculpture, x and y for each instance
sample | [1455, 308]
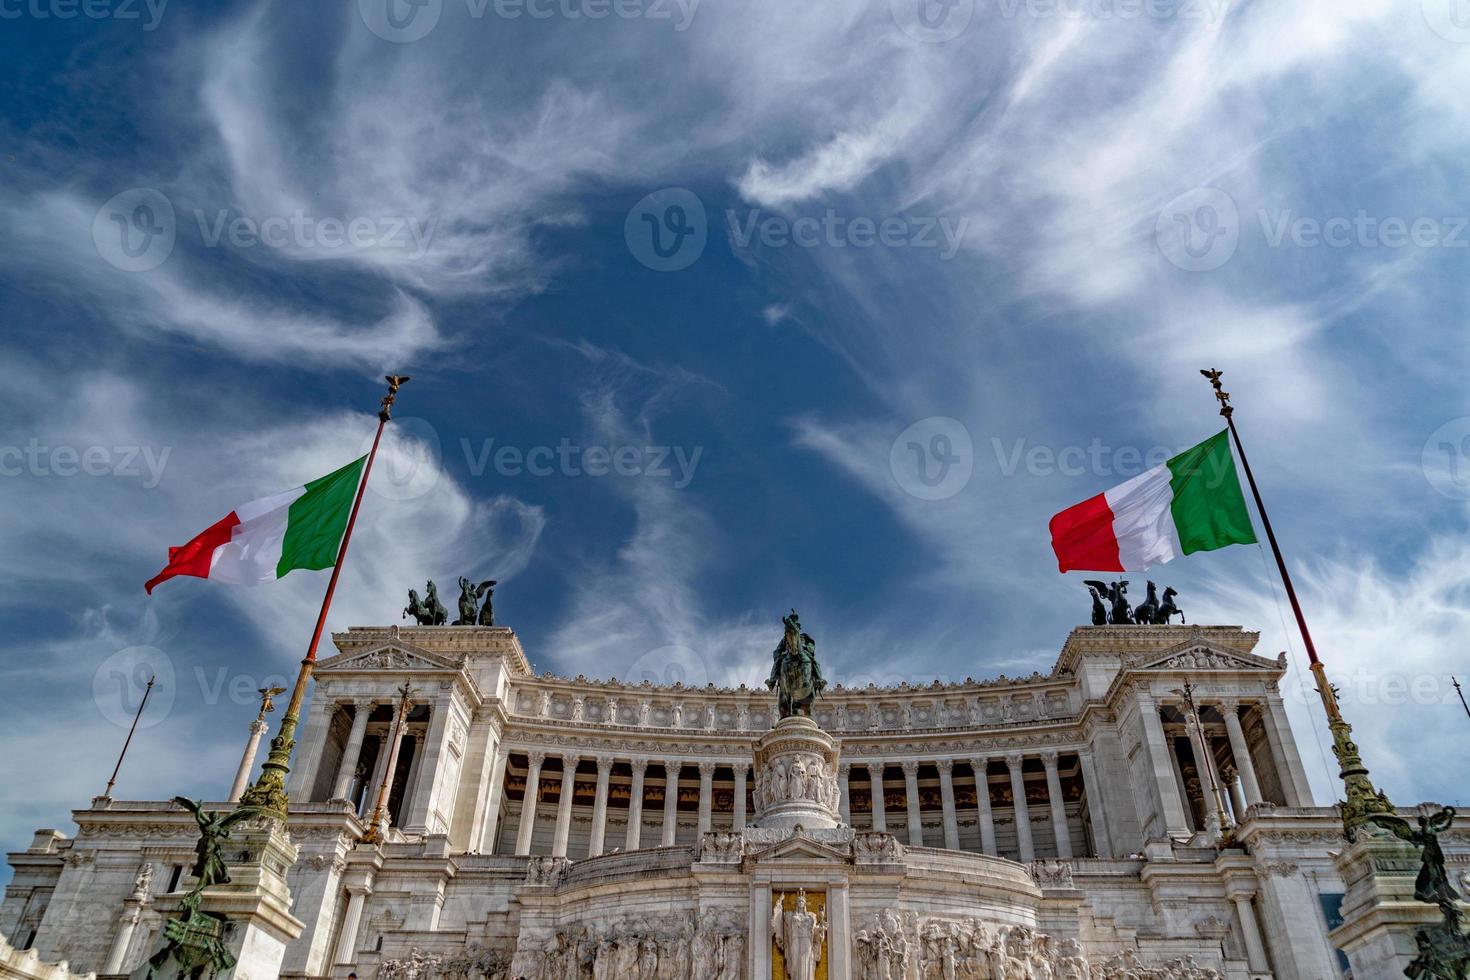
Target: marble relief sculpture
[907, 946]
[711, 947]
[800, 935]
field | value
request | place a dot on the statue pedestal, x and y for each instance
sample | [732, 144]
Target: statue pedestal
[796, 777]
[1380, 915]
[250, 915]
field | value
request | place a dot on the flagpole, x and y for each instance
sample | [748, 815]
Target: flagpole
[1461, 693]
[107, 793]
[269, 792]
[1363, 798]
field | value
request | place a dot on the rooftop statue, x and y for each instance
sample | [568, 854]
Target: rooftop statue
[794, 672]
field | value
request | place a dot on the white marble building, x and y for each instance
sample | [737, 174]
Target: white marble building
[553, 827]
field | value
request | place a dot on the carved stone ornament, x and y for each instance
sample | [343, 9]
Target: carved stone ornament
[875, 847]
[1052, 874]
[546, 871]
[721, 847]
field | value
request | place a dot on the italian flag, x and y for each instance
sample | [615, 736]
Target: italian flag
[266, 538]
[1191, 503]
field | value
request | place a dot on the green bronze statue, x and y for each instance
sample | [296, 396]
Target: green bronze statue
[795, 675]
[214, 830]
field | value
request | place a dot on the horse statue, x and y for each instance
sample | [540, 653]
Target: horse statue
[1167, 609]
[1116, 593]
[794, 672]
[438, 615]
[1099, 611]
[418, 610]
[1148, 609]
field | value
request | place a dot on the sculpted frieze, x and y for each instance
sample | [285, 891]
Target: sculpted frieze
[666, 947]
[897, 945]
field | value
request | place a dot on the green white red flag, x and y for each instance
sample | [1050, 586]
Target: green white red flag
[1191, 503]
[264, 539]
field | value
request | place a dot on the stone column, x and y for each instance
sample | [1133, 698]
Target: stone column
[671, 800]
[380, 767]
[634, 837]
[1059, 826]
[981, 765]
[395, 752]
[946, 799]
[528, 802]
[599, 806]
[415, 740]
[706, 796]
[427, 764]
[1096, 806]
[126, 926]
[495, 793]
[1283, 747]
[350, 754]
[1181, 783]
[1232, 786]
[844, 803]
[309, 747]
[247, 760]
[1204, 769]
[1022, 811]
[741, 773]
[564, 804]
[911, 802]
[351, 922]
[1240, 749]
[879, 807]
[1250, 930]
[1156, 747]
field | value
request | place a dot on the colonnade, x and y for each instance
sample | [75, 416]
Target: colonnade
[886, 807]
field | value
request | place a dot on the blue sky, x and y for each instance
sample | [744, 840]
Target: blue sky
[1008, 234]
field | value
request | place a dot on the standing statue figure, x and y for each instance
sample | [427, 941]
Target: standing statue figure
[1433, 884]
[1121, 613]
[214, 828]
[794, 671]
[799, 935]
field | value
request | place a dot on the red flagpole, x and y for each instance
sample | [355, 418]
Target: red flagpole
[269, 791]
[1363, 799]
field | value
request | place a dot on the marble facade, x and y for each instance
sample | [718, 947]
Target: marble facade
[553, 827]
